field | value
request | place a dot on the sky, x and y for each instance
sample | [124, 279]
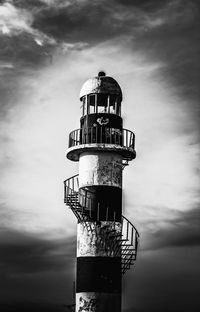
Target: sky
[48, 49]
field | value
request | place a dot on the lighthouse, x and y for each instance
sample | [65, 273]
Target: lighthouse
[106, 240]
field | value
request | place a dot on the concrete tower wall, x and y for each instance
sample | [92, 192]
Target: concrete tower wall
[98, 268]
[97, 168]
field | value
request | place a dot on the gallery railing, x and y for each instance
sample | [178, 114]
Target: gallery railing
[102, 135]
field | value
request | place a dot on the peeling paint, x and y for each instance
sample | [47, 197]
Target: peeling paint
[87, 305]
[100, 169]
[98, 302]
[96, 242]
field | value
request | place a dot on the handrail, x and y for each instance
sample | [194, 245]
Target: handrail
[70, 181]
[102, 135]
[71, 188]
[123, 244]
[132, 225]
[83, 198]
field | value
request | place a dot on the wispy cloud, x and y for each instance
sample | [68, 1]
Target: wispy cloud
[14, 21]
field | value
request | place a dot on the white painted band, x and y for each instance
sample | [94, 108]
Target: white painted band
[91, 240]
[98, 302]
[100, 169]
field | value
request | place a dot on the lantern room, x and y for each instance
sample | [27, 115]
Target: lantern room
[101, 98]
[101, 123]
[101, 94]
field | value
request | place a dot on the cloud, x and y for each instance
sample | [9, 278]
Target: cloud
[35, 269]
[60, 3]
[180, 229]
[34, 307]
[15, 20]
[175, 42]
[23, 253]
[161, 274]
[165, 31]
[17, 34]
[113, 19]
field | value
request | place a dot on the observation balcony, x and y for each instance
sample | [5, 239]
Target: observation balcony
[101, 139]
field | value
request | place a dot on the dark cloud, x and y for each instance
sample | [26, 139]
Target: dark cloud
[161, 275]
[22, 51]
[33, 268]
[87, 22]
[20, 57]
[177, 45]
[23, 253]
[182, 230]
[165, 31]
[147, 5]
[34, 307]
[29, 4]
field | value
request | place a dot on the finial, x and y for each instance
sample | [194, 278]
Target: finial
[101, 74]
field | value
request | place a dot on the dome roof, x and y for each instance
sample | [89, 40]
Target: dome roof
[101, 84]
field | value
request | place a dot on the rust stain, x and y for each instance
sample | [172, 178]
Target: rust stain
[87, 305]
[99, 242]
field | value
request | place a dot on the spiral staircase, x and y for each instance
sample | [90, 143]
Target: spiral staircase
[121, 241]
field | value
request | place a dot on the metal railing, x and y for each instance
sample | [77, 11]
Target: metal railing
[130, 238]
[122, 244]
[89, 135]
[83, 200]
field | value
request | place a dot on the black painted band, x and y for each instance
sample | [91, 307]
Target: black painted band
[98, 274]
[104, 203]
[93, 120]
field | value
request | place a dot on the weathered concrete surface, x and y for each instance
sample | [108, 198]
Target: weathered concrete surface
[98, 302]
[100, 169]
[103, 84]
[74, 152]
[93, 243]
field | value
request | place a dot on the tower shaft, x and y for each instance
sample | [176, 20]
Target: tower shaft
[106, 240]
[98, 266]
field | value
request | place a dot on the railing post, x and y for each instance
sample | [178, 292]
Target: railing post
[132, 236]
[96, 105]
[107, 214]
[85, 199]
[101, 134]
[98, 212]
[90, 207]
[65, 191]
[127, 228]
[75, 134]
[108, 104]
[96, 133]
[92, 135]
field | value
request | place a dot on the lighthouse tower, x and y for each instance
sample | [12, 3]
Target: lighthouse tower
[106, 240]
